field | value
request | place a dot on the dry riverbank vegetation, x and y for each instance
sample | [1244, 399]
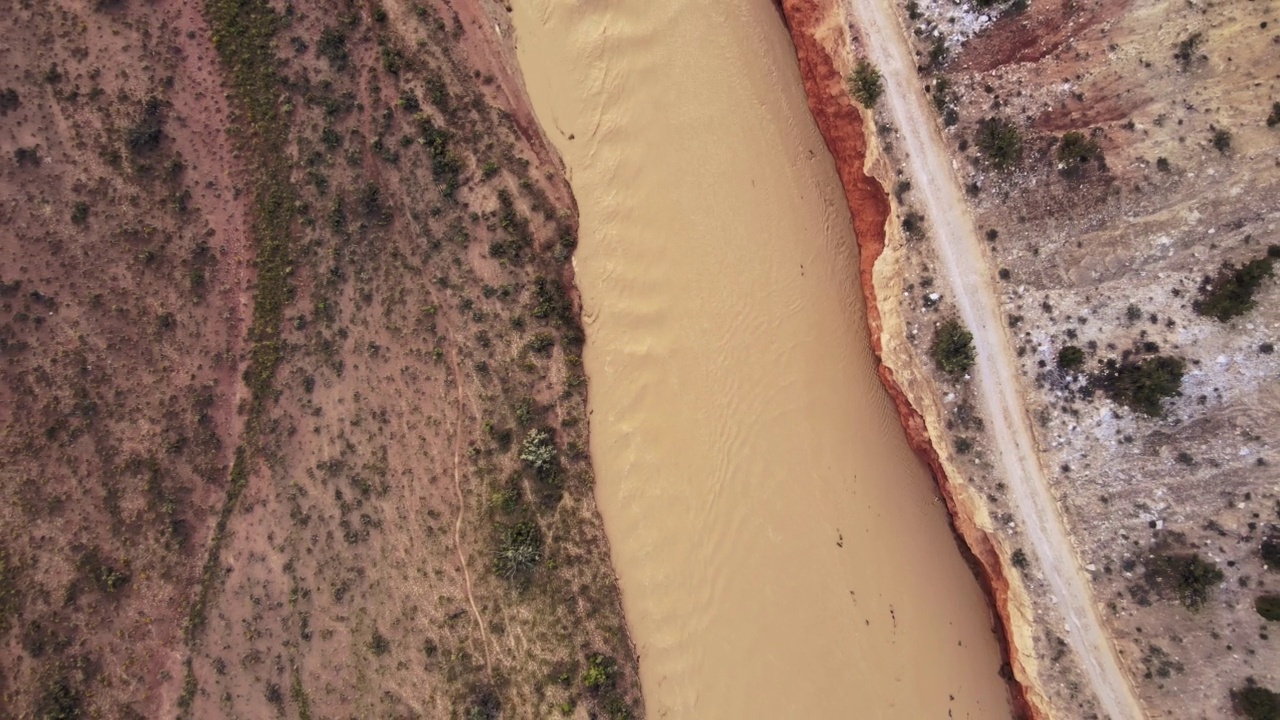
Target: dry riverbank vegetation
[294, 416]
[1121, 159]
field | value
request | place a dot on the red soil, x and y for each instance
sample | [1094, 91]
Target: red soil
[841, 125]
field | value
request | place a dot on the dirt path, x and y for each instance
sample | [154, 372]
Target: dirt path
[961, 254]
[462, 511]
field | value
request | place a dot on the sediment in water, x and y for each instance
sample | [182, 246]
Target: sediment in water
[843, 127]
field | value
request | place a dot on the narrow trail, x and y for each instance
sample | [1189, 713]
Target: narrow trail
[967, 269]
[457, 525]
[457, 483]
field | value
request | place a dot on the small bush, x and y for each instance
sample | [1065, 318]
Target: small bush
[80, 212]
[1187, 49]
[1000, 141]
[1256, 702]
[1268, 606]
[1077, 149]
[519, 550]
[1071, 358]
[1142, 386]
[1270, 551]
[1019, 559]
[60, 701]
[1222, 140]
[27, 156]
[9, 101]
[865, 84]
[1231, 294]
[145, 135]
[539, 451]
[332, 46]
[1274, 118]
[952, 348]
[379, 644]
[601, 672]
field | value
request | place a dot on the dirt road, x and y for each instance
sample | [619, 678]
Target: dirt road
[961, 254]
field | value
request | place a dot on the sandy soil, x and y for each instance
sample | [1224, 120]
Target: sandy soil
[382, 551]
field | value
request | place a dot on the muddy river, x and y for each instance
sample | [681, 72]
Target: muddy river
[781, 551]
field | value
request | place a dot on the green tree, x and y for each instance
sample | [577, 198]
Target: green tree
[1071, 358]
[1256, 702]
[1189, 576]
[1222, 140]
[952, 348]
[1231, 294]
[1000, 142]
[519, 550]
[538, 451]
[601, 671]
[1144, 385]
[866, 84]
[1075, 150]
[1268, 606]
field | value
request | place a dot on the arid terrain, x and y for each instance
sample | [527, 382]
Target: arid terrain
[1120, 160]
[293, 409]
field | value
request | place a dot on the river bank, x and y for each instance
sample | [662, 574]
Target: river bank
[780, 548]
[815, 27]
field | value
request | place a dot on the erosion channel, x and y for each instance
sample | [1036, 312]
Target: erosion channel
[781, 551]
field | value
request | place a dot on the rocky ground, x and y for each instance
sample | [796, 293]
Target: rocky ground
[1116, 246]
[294, 419]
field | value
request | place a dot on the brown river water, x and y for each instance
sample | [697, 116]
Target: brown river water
[781, 551]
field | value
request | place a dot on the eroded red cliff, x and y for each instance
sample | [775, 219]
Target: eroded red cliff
[841, 125]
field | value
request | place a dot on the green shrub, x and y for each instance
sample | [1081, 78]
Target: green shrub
[27, 156]
[145, 135]
[538, 450]
[332, 46]
[1076, 149]
[1274, 118]
[379, 644]
[1187, 49]
[80, 212]
[1268, 606]
[1019, 559]
[60, 701]
[865, 84]
[1270, 551]
[1000, 141]
[952, 348]
[519, 550]
[1071, 358]
[1255, 702]
[1142, 386]
[601, 671]
[1231, 294]
[937, 53]
[9, 100]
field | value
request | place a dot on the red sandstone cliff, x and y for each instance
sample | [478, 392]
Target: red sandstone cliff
[842, 126]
